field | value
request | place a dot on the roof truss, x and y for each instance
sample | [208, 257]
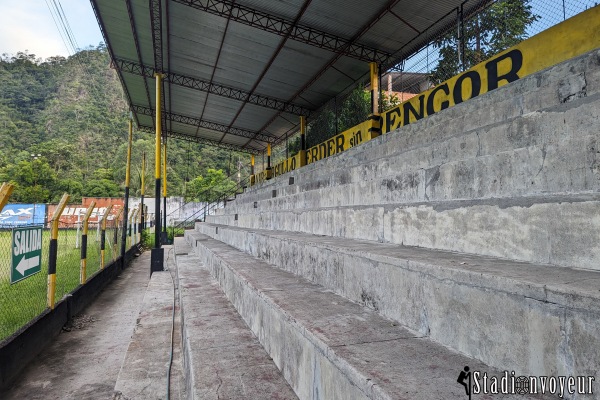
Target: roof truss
[199, 123]
[283, 27]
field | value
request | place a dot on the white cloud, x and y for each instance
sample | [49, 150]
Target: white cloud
[28, 25]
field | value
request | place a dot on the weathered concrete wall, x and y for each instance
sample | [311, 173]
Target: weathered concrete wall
[514, 173]
[541, 320]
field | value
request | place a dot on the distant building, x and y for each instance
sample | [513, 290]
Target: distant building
[404, 85]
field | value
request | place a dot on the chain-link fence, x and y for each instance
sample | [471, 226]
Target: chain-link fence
[470, 39]
[23, 296]
[456, 42]
[24, 299]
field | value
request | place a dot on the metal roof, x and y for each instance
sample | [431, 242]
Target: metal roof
[239, 73]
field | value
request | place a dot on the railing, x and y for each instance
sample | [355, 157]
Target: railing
[218, 199]
[199, 195]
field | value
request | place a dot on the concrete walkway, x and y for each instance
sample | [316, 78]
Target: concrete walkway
[84, 362]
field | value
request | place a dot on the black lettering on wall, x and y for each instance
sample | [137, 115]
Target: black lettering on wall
[475, 85]
[516, 58]
[430, 100]
[339, 143]
[390, 119]
[409, 109]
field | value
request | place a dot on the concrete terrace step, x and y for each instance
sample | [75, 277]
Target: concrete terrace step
[329, 347]
[222, 357]
[538, 319]
[143, 374]
[512, 173]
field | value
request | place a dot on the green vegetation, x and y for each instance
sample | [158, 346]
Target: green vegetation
[63, 127]
[493, 29]
[354, 110]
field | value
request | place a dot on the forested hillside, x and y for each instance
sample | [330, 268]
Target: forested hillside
[63, 128]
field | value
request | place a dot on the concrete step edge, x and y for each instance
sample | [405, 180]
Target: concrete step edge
[458, 267]
[200, 377]
[257, 304]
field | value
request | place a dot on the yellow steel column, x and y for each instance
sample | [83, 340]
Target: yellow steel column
[164, 178]
[103, 235]
[303, 141]
[375, 128]
[53, 251]
[158, 124]
[142, 190]
[252, 170]
[269, 172]
[116, 235]
[127, 182]
[83, 268]
[374, 72]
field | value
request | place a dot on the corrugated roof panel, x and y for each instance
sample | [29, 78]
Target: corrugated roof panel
[220, 109]
[341, 17]
[282, 8]
[245, 54]
[200, 46]
[117, 24]
[254, 117]
[195, 41]
[187, 101]
[286, 75]
[389, 33]
[137, 90]
[284, 123]
[141, 14]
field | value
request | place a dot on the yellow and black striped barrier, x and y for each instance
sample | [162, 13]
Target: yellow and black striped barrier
[84, 236]
[103, 235]
[53, 250]
[116, 234]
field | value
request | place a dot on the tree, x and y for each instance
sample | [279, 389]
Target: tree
[490, 31]
[211, 186]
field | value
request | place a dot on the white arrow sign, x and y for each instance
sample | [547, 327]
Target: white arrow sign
[27, 264]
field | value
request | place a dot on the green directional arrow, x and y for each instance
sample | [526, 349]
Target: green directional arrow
[26, 253]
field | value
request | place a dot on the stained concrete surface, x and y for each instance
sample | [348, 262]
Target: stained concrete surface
[83, 363]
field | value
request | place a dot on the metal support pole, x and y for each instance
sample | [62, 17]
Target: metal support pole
[302, 141]
[164, 177]
[374, 72]
[157, 161]
[116, 234]
[142, 190]
[53, 251]
[127, 180]
[103, 235]
[83, 267]
[157, 255]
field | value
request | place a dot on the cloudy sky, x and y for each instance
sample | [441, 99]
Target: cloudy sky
[28, 25]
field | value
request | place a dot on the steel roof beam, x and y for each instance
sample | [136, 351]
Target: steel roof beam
[331, 62]
[137, 49]
[280, 26]
[214, 126]
[213, 88]
[196, 139]
[156, 19]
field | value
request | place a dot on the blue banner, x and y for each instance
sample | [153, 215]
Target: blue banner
[23, 214]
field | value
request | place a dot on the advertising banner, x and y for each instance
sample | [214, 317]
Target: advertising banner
[22, 215]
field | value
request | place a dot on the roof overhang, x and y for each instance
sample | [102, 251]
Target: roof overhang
[237, 74]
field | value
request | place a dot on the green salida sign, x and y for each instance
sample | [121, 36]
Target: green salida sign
[26, 253]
